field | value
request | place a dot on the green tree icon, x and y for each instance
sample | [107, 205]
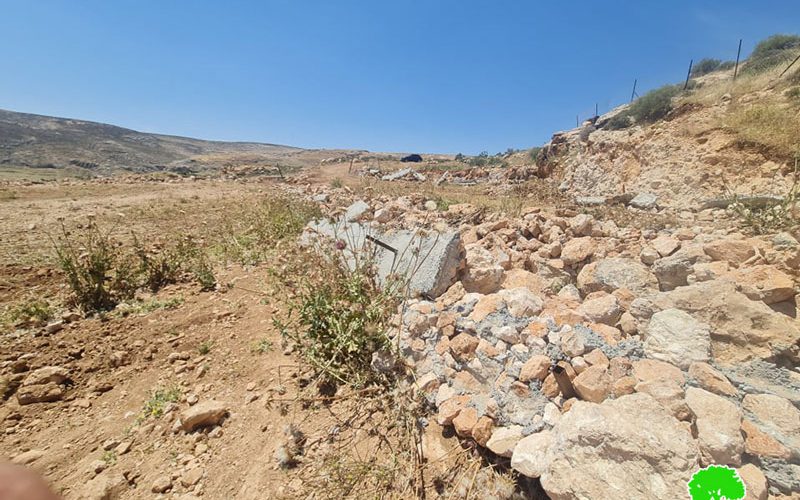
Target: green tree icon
[716, 482]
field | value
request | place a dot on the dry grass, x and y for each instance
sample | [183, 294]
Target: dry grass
[712, 87]
[510, 200]
[772, 125]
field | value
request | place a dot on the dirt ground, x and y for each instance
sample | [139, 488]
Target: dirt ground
[216, 345]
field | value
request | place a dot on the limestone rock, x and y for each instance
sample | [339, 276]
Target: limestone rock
[205, 414]
[594, 384]
[504, 440]
[161, 485]
[42, 393]
[775, 414]
[676, 337]
[105, 487]
[522, 302]
[756, 486]
[644, 201]
[603, 309]
[47, 374]
[665, 245]
[629, 447]
[742, 328]
[577, 250]
[734, 251]
[530, 454]
[668, 393]
[764, 283]
[536, 368]
[718, 427]
[711, 380]
[482, 273]
[615, 273]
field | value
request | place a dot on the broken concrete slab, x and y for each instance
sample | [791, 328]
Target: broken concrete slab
[427, 260]
[406, 173]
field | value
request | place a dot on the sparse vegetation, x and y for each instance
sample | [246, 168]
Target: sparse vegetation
[205, 347]
[654, 105]
[263, 346]
[159, 399]
[33, 311]
[337, 183]
[109, 457]
[103, 271]
[533, 153]
[148, 306]
[251, 233]
[775, 216]
[341, 317]
[708, 65]
[649, 108]
[767, 125]
[771, 52]
[98, 273]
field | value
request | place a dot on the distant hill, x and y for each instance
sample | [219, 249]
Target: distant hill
[44, 142]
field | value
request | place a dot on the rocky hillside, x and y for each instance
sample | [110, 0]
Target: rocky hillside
[721, 136]
[36, 141]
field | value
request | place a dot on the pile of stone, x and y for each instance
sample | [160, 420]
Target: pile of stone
[612, 362]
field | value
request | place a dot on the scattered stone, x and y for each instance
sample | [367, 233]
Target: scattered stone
[644, 201]
[529, 457]
[594, 384]
[756, 486]
[764, 283]
[603, 309]
[577, 250]
[205, 414]
[28, 457]
[665, 245]
[109, 486]
[45, 375]
[734, 251]
[162, 484]
[191, 477]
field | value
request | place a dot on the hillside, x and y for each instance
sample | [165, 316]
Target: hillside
[718, 138]
[43, 142]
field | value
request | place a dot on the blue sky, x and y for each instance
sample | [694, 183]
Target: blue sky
[406, 75]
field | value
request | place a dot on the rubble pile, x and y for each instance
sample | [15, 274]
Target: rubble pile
[608, 361]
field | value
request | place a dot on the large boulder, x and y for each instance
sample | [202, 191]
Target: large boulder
[729, 250]
[718, 427]
[615, 273]
[676, 337]
[629, 447]
[741, 329]
[775, 415]
[764, 283]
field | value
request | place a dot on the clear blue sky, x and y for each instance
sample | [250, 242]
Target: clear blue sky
[403, 75]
